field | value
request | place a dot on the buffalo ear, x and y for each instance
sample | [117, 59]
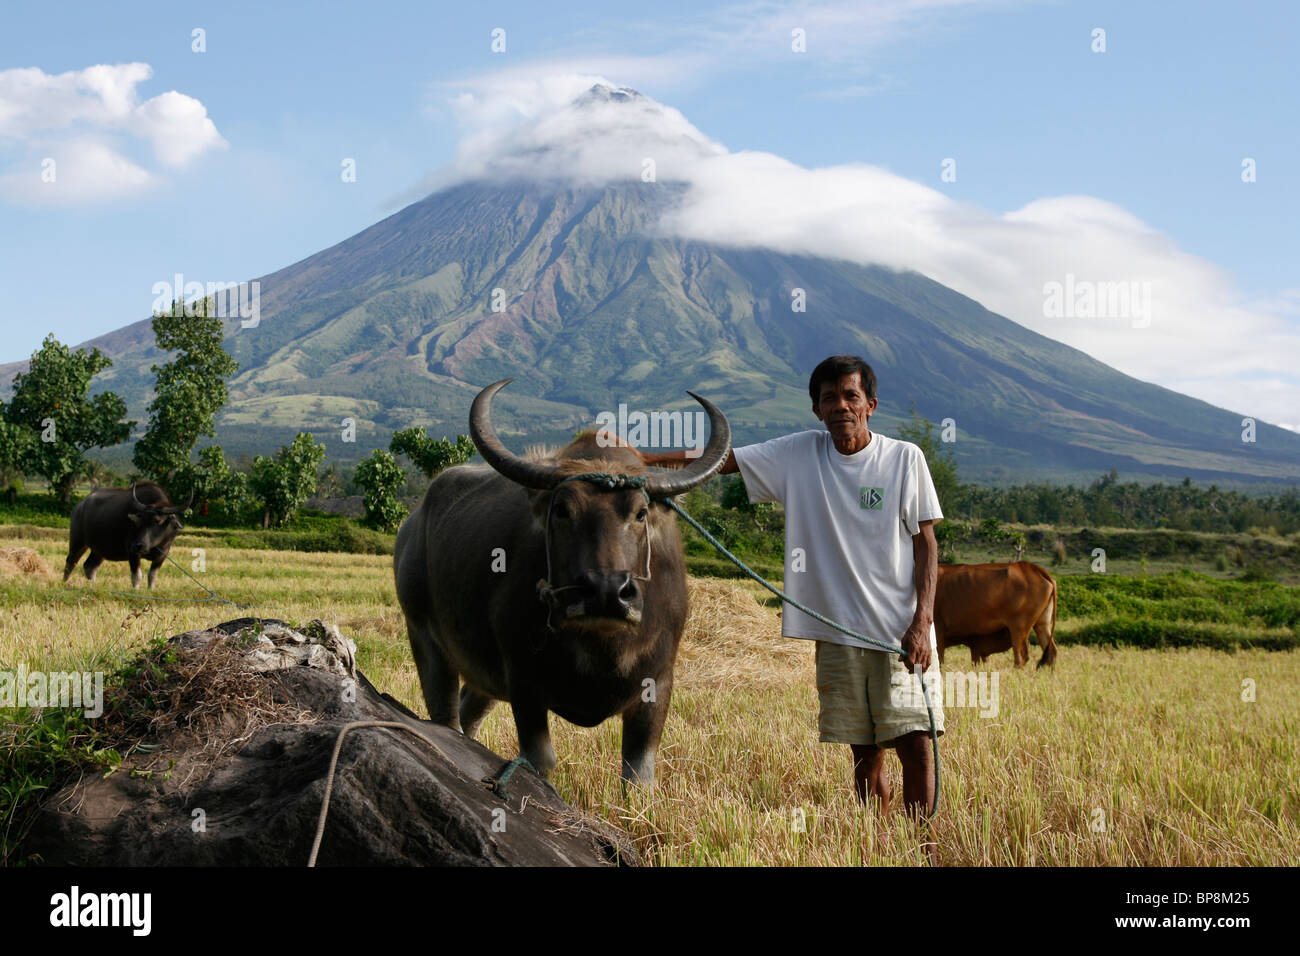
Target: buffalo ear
[539, 502]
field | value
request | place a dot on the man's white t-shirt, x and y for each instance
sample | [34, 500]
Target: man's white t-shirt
[849, 521]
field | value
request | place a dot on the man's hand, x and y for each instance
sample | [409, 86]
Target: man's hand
[916, 645]
[678, 459]
[916, 639]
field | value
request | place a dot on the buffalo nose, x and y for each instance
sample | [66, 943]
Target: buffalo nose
[613, 588]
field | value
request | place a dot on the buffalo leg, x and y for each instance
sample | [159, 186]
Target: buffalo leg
[531, 721]
[135, 571]
[91, 566]
[643, 725]
[474, 708]
[438, 679]
[74, 555]
[153, 571]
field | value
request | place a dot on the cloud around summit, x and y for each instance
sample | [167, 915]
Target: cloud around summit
[1182, 322]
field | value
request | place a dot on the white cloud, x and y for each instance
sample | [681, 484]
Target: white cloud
[577, 128]
[79, 119]
[84, 170]
[1195, 332]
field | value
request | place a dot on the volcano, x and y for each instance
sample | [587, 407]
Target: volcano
[576, 291]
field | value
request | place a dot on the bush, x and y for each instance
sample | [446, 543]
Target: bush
[284, 482]
[1257, 573]
[428, 454]
[220, 494]
[1144, 632]
[382, 478]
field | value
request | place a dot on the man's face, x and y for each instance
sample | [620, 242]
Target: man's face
[844, 408]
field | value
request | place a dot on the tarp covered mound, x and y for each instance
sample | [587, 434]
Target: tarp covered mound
[227, 740]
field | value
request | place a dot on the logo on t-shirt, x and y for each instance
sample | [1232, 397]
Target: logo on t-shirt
[872, 499]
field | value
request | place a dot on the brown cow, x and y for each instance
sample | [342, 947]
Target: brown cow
[993, 607]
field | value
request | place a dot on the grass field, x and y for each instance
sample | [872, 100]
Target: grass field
[1118, 756]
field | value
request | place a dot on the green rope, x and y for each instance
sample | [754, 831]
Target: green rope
[611, 482]
[498, 783]
[212, 598]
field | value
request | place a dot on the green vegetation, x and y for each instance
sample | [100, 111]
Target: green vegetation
[60, 422]
[38, 747]
[220, 493]
[1179, 609]
[382, 478]
[284, 482]
[189, 390]
[943, 465]
[1108, 503]
[431, 455]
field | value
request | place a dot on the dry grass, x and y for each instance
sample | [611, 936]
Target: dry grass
[1118, 757]
[22, 563]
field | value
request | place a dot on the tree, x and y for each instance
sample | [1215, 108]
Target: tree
[52, 404]
[431, 455]
[284, 482]
[943, 466]
[219, 493]
[735, 496]
[382, 478]
[189, 392]
[14, 451]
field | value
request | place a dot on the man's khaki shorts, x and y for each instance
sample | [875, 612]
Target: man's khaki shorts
[870, 697]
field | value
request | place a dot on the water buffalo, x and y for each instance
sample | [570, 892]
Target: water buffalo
[552, 594]
[993, 607]
[123, 524]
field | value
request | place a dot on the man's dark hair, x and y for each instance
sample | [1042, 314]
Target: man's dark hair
[835, 368]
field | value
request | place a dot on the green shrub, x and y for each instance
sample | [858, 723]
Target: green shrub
[382, 478]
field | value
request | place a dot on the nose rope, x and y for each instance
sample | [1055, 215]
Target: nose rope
[545, 592]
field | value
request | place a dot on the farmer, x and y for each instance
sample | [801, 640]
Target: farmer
[860, 511]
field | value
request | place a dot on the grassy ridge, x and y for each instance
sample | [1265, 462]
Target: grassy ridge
[1178, 609]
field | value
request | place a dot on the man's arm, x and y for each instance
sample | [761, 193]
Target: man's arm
[678, 459]
[925, 552]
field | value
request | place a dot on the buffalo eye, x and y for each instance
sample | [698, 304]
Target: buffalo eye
[561, 511]
[642, 514]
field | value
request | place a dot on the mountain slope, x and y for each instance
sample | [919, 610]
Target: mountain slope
[395, 326]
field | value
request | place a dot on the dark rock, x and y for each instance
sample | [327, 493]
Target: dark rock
[396, 800]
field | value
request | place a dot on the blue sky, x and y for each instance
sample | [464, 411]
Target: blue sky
[240, 174]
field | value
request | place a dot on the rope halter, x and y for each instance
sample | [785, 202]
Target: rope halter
[548, 594]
